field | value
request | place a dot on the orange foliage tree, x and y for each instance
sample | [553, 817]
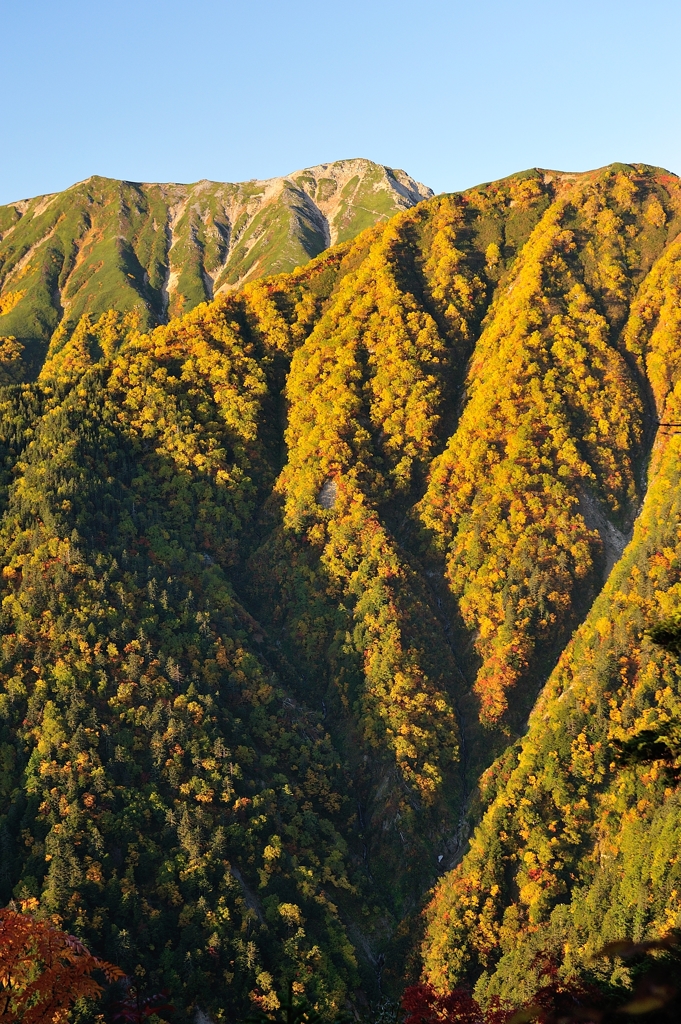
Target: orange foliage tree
[44, 971]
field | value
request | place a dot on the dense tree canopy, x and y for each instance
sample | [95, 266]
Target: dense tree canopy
[283, 578]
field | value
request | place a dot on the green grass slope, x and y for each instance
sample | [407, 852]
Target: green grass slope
[162, 249]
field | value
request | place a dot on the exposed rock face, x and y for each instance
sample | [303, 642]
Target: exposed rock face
[328, 493]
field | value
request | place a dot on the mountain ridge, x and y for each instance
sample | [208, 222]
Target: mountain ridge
[283, 580]
[170, 246]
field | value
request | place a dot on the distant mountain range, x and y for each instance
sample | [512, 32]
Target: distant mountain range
[164, 248]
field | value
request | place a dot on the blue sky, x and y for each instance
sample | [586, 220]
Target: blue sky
[455, 93]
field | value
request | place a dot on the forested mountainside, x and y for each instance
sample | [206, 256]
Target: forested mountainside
[162, 249]
[283, 579]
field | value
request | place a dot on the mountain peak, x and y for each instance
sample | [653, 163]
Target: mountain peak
[165, 247]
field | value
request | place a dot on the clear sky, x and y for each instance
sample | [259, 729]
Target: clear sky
[454, 92]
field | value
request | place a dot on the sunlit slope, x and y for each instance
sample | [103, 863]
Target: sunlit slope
[579, 842]
[545, 454]
[282, 577]
[106, 244]
[578, 845]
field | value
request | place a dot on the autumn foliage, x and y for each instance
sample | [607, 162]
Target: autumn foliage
[654, 995]
[281, 580]
[44, 971]
[423, 1005]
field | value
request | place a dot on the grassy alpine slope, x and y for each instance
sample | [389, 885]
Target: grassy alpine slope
[162, 249]
[283, 579]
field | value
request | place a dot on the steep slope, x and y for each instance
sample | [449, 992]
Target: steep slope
[162, 249]
[579, 841]
[550, 434]
[283, 577]
[167, 776]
